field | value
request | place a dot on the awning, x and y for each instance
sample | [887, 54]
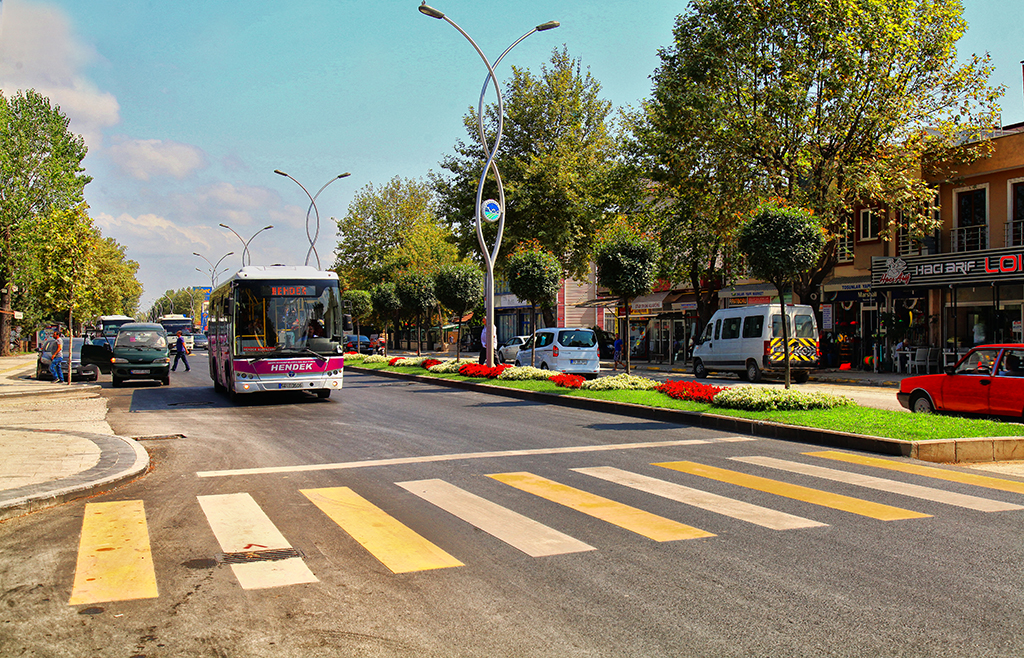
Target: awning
[600, 302]
[847, 283]
[681, 301]
[652, 302]
[753, 290]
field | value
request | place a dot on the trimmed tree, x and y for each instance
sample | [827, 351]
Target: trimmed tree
[533, 276]
[459, 287]
[627, 262]
[416, 292]
[780, 244]
[362, 306]
[386, 305]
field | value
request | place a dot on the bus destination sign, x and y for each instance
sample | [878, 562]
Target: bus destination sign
[289, 291]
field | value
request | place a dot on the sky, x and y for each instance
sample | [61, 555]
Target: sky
[188, 107]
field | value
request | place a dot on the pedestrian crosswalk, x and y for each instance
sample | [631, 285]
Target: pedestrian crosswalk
[114, 560]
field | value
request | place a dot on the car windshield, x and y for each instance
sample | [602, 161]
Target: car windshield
[142, 339]
[577, 338]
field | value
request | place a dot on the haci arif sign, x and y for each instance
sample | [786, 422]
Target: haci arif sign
[956, 269]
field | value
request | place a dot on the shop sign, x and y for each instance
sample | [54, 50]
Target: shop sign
[826, 318]
[961, 268]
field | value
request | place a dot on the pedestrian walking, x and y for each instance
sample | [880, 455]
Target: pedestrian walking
[179, 353]
[617, 348]
[57, 359]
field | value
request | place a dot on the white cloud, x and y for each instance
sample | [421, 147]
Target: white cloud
[149, 234]
[145, 158]
[39, 50]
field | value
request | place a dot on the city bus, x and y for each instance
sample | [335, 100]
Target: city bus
[175, 322]
[277, 328]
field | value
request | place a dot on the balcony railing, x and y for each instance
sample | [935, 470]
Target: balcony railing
[970, 238]
[1015, 234]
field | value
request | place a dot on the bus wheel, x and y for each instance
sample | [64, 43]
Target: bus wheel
[323, 393]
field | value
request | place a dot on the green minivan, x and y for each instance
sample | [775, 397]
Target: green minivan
[139, 352]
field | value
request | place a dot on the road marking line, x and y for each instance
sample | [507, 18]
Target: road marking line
[796, 492]
[635, 520]
[240, 525]
[529, 536]
[466, 455]
[394, 544]
[115, 562]
[881, 484]
[927, 471]
[730, 507]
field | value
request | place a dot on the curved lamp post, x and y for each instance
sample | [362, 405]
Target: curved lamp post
[245, 243]
[312, 208]
[494, 210]
[213, 268]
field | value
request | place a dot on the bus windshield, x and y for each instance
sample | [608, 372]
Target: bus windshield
[287, 317]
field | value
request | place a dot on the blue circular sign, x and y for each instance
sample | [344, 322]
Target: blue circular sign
[491, 210]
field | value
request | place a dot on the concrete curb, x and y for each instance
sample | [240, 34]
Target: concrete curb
[937, 450]
[121, 459]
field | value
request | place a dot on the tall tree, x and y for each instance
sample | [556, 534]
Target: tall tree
[386, 306]
[555, 158]
[533, 276]
[416, 292]
[828, 103]
[627, 261]
[779, 244]
[459, 288]
[361, 305]
[40, 172]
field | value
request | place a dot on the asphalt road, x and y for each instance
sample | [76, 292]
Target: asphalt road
[389, 508]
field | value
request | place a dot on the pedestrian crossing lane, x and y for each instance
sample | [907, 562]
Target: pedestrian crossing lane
[926, 471]
[881, 484]
[115, 562]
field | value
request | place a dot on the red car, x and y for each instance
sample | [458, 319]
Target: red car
[988, 380]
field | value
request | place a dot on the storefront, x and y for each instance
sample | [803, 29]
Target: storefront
[849, 317]
[972, 298]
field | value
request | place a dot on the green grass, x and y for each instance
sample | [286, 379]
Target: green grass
[854, 418]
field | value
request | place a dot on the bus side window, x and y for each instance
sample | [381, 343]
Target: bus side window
[753, 326]
[731, 328]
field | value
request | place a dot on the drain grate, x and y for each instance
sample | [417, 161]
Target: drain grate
[189, 404]
[159, 437]
[258, 556]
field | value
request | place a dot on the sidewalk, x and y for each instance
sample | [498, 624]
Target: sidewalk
[56, 443]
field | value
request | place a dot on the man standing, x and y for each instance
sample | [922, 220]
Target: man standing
[57, 359]
[617, 348]
[179, 353]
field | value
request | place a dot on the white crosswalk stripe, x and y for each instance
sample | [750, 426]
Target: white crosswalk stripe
[882, 484]
[705, 500]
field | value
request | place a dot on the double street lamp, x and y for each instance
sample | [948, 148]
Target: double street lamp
[489, 210]
[246, 257]
[213, 268]
[312, 208]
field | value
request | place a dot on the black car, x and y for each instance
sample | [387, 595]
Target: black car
[364, 344]
[78, 371]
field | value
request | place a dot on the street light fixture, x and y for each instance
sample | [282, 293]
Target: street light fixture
[495, 211]
[213, 268]
[245, 243]
[312, 208]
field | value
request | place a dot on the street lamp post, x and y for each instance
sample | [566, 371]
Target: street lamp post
[312, 208]
[213, 268]
[245, 243]
[495, 210]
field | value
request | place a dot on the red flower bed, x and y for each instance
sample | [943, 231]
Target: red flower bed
[431, 362]
[695, 391]
[481, 370]
[395, 360]
[568, 381]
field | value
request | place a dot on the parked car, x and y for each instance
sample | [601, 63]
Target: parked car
[78, 370]
[747, 340]
[988, 380]
[201, 341]
[364, 344]
[508, 351]
[566, 349]
[140, 351]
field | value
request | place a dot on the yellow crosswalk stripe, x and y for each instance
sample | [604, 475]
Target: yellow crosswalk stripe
[796, 492]
[927, 471]
[635, 520]
[114, 558]
[398, 547]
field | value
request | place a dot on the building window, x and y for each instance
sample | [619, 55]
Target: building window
[870, 224]
[971, 232]
[844, 246]
[906, 245]
[1015, 227]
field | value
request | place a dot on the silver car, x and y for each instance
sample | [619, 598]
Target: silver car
[507, 352]
[78, 371]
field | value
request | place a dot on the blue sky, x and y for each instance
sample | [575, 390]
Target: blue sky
[188, 107]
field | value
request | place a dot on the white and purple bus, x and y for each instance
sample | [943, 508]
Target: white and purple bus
[277, 328]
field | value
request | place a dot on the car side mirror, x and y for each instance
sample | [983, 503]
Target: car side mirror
[949, 370]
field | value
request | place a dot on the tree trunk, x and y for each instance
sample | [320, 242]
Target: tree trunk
[549, 318]
[785, 330]
[626, 346]
[533, 321]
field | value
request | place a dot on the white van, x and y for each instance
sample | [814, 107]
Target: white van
[566, 349]
[747, 340]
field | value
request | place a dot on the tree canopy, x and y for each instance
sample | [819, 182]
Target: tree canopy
[459, 288]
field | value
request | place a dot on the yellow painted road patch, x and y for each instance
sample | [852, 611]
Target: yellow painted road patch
[398, 547]
[635, 520]
[796, 492]
[927, 471]
[114, 558]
